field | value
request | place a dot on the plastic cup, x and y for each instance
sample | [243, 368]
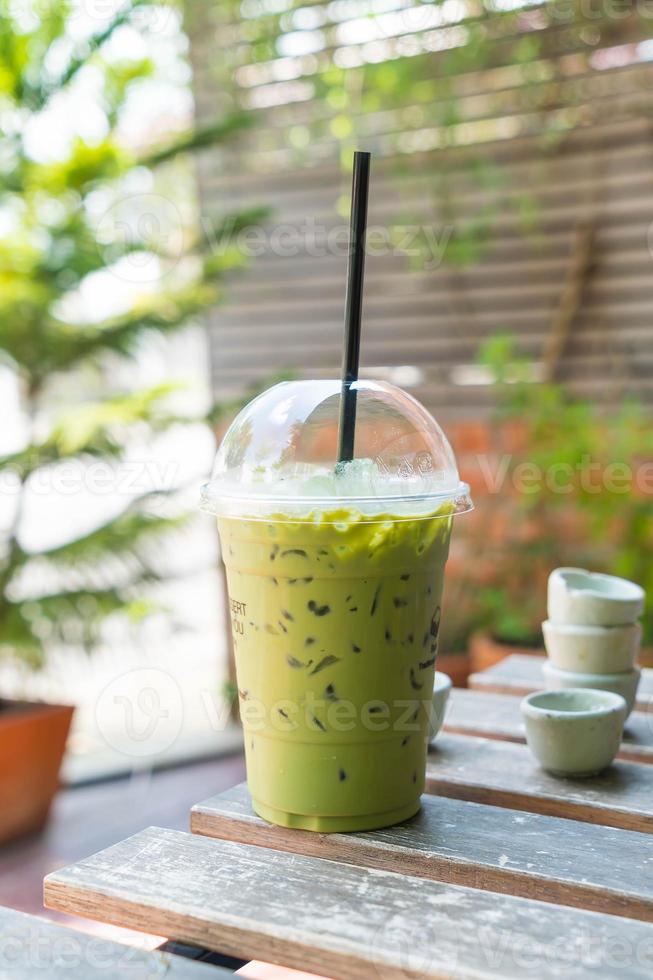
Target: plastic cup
[335, 578]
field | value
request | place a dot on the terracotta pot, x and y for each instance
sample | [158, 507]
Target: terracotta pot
[456, 665]
[32, 742]
[645, 657]
[485, 651]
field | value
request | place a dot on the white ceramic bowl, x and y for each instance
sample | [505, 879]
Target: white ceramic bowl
[592, 649]
[584, 598]
[441, 690]
[624, 684]
[576, 732]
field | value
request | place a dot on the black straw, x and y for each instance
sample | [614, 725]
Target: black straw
[353, 305]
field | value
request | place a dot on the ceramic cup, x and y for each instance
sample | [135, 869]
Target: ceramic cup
[575, 732]
[624, 684]
[441, 690]
[592, 649]
[584, 598]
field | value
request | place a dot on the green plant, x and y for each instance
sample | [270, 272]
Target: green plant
[460, 612]
[511, 619]
[69, 219]
[581, 486]
[229, 692]
[449, 76]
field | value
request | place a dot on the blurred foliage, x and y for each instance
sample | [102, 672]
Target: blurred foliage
[462, 612]
[417, 76]
[512, 612]
[51, 243]
[582, 483]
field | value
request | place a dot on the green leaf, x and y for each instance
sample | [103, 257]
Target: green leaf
[95, 424]
[56, 346]
[95, 430]
[85, 166]
[82, 54]
[118, 79]
[197, 139]
[124, 536]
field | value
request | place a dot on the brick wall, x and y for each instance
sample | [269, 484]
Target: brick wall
[501, 543]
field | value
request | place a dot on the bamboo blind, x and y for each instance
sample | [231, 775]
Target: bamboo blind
[563, 196]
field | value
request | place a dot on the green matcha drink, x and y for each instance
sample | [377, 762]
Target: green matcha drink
[335, 626]
[335, 587]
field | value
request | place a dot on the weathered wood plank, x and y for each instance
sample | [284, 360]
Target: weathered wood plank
[31, 947]
[498, 716]
[486, 847]
[521, 674]
[341, 921]
[504, 774]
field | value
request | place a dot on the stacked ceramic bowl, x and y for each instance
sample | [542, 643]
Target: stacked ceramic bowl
[592, 635]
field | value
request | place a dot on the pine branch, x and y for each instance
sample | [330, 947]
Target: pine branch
[74, 253]
[27, 461]
[42, 93]
[17, 637]
[96, 430]
[85, 166]
[218, 241]
[124, 536]
[62, 346]
[165, 314]
[96, 586]
[91, 426]
[198, 139]
[28, 625]
[77, 617]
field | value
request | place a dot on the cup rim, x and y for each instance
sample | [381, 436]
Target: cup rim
[441, 685]
[578, 581]
[231, 501]
[605, 703]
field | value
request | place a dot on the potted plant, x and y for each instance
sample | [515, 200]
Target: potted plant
[510, 623]
[460, 617]
[32, 742]
[578, 495]
[77, 407]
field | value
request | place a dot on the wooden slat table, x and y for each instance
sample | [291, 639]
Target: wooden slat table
[337, 919]
[498, 716]
[506, 873]
[468, 844]
[505, 774]
[521, 674]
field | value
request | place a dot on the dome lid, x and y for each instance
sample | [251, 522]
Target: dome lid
[280, 455]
